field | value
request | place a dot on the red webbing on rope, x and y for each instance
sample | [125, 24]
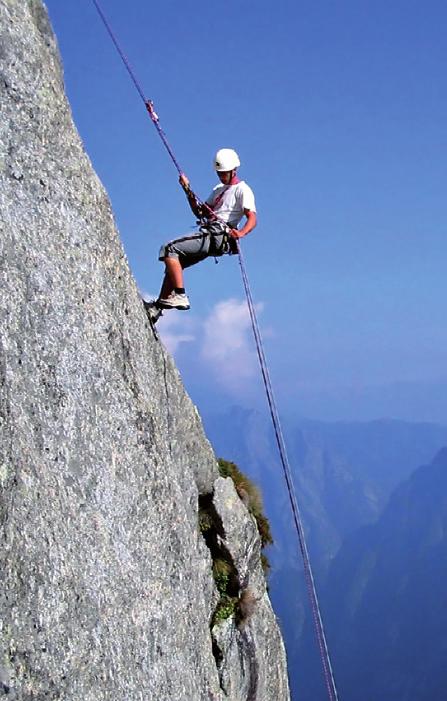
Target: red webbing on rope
[147, 103]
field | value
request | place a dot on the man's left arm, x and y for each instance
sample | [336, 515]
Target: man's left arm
[248, 226]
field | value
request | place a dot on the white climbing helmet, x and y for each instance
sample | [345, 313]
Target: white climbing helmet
[226, 159]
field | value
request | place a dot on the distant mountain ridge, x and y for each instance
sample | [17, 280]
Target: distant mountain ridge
[344, 471]
[344, 475]
[387, 598]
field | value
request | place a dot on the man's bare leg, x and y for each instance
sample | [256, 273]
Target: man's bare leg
[173, 277]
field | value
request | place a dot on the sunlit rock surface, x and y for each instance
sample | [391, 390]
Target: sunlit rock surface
[107, 590]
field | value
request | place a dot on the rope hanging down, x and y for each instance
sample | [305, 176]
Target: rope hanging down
[310, 583]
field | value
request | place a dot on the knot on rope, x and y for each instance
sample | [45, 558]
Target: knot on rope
[152, 113]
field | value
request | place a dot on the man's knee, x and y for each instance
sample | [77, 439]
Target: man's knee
[173, 261]
[167, 251]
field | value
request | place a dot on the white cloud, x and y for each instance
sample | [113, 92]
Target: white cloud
[223, 343]
[176, 329]
[228, 344]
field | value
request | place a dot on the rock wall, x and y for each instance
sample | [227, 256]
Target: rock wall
[107, 590]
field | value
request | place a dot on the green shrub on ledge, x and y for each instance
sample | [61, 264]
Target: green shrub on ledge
[224, 571]
[251, 496]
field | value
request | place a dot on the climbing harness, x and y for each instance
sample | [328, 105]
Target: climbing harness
[310, 583]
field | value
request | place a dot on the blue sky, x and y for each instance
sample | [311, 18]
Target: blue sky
[339, 113]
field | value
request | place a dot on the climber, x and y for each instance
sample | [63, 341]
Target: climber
[217, 234]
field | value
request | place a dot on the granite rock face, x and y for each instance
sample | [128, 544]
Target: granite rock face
[240, 673]
[107, 592]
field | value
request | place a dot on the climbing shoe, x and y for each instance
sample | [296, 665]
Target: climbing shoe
[174, 301]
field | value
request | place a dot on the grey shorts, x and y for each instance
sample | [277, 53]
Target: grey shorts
[209, 240]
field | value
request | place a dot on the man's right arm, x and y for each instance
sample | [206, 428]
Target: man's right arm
[192, 199]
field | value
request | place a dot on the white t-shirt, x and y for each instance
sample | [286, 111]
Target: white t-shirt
[229, 201]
